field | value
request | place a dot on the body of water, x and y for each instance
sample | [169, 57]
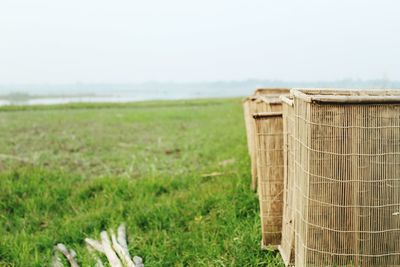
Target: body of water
[122, 98]
[120, 93]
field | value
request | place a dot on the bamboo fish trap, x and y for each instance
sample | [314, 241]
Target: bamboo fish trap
[269, 146]
[347, 170]
[286, 247]
[260, 101]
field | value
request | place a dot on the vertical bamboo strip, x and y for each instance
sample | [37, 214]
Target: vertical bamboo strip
[286, 248]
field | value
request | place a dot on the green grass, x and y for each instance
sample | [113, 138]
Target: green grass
[67, 172]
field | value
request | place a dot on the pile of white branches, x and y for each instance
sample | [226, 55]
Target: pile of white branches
[115, 250]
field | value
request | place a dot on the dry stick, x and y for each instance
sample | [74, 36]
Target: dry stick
[99, 263]
[94, 244]
[138, 261]
[56, 262]
[119, 244]
[73, 253]
[122, 238]
[121, 251]
[92, 251]
[110, 253]
[70, 255]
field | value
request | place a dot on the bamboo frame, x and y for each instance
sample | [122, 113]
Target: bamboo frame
[347, 169]
[269, 144]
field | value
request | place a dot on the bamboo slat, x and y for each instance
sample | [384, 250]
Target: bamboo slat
[347, 177]
[286, 248]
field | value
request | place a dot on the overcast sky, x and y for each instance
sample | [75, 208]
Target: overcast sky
[121, 41]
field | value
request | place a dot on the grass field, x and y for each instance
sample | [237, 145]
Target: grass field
[177, 172]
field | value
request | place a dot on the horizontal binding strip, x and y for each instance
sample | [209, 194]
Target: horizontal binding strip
[304, 246]
[349, 126]
[300, 214]
[335, 180]
[324, 152]
[330, 204]
[266, 115]
[269, 99]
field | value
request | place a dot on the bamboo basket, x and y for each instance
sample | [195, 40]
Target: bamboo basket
[252, 105]
[286, 247]
[269, 144]
[263, 100]
[347, 170]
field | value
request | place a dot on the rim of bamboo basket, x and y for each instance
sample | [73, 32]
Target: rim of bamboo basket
[267, 92]
[267, 114]
[269, 99]
[272, 90]
[351, 96]
[272, 100]
[287, 100]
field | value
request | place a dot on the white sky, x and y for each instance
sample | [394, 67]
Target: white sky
[54, 41]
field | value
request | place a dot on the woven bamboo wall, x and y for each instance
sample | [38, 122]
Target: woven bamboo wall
[269, 144]
[286, 247]
[347, 169]
[253, 105]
